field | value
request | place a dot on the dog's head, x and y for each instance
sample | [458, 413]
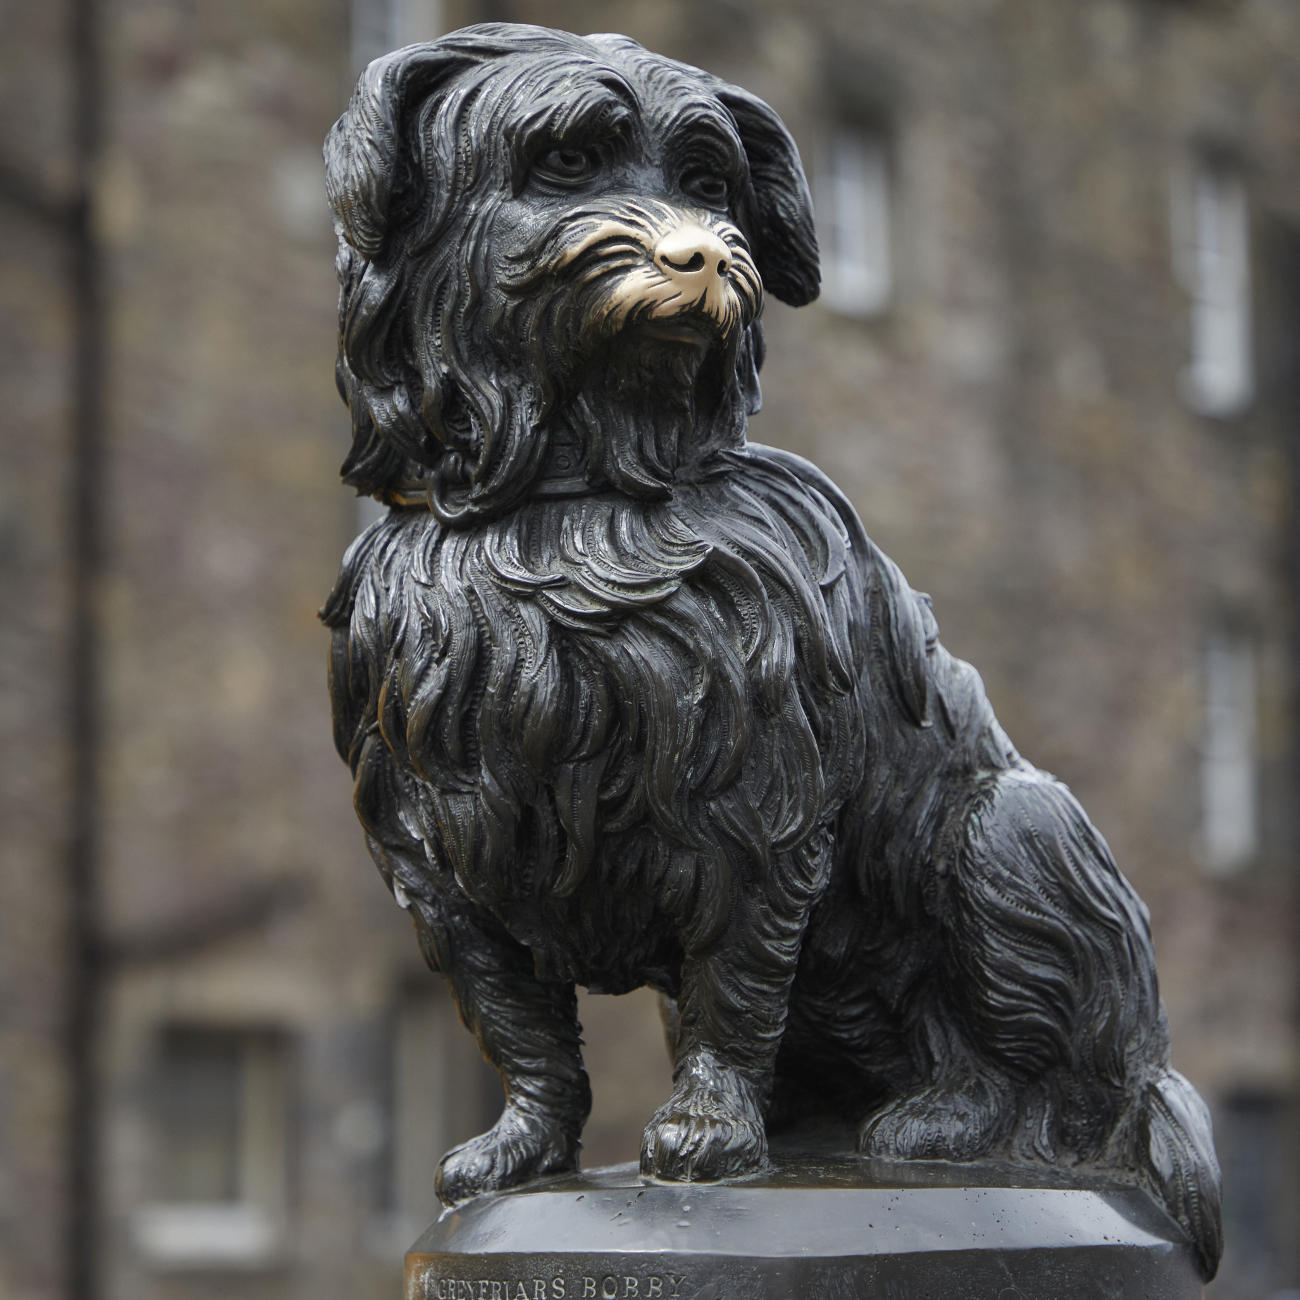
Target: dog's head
[552, 256]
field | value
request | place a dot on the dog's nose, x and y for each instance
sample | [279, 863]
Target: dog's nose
[693, 256]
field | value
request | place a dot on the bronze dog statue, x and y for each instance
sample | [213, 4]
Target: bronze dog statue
[630, 701]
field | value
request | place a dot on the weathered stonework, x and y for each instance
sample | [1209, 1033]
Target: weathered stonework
[1030, 355]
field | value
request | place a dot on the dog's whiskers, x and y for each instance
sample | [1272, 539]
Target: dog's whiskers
[615, 255]
[602, 271]
[603, 233]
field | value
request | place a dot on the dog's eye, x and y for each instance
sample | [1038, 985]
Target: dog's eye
[567, 165]
[708, 187]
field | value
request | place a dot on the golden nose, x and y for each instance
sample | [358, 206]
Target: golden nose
[693, 256]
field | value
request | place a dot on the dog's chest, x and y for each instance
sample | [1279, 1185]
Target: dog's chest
[603, 693]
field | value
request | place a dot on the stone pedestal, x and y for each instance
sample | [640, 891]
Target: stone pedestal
[814, 1227]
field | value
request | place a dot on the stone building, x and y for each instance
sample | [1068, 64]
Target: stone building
[1054, 366]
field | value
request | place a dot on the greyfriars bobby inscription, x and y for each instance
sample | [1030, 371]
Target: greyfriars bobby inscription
[583, 1286]
[630, 700]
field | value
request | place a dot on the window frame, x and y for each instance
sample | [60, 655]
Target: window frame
[250, 1230]
[1230, 832]
[1211, 237]
[853, 196]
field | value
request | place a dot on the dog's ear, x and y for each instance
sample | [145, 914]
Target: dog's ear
[781, 233]
[364, 150]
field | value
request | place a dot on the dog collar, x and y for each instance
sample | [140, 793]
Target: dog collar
[562, 475]
[413, 494]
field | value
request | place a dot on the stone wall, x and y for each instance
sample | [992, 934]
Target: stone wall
[1009, 425]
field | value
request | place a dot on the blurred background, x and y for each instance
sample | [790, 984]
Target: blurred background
[1054, 365]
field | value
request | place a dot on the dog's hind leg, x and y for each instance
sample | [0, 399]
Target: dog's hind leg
[528, 1031]
[961, 1114]
[1044, 1012]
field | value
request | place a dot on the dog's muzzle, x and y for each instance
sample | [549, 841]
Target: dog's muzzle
[697, 264]
[644, 262]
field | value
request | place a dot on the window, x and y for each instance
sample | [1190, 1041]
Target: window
[219, 1111]
[1229, 753]
[1212, 261]
[853, 227]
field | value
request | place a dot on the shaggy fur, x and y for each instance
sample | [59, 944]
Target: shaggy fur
[629, 701]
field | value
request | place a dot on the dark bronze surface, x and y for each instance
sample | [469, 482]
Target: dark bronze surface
[631, 701]
[809, 1228]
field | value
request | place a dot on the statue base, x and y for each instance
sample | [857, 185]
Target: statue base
[813, 1226]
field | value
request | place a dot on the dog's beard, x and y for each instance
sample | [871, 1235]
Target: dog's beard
[647, 411]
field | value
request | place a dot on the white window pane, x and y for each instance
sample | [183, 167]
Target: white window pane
[1212, 255]
[1229, 764]
[206, 1236]
[853, 222]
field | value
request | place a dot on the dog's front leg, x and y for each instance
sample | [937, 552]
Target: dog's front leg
[528, 1030]
[731, 1015]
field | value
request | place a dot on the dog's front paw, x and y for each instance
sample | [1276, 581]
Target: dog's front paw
[936, 1123]
[519, 1146]
[710, 1128]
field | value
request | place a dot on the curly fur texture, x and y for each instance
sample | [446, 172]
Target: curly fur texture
[629, 701]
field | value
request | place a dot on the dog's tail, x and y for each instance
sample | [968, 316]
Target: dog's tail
[1176, 1154]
